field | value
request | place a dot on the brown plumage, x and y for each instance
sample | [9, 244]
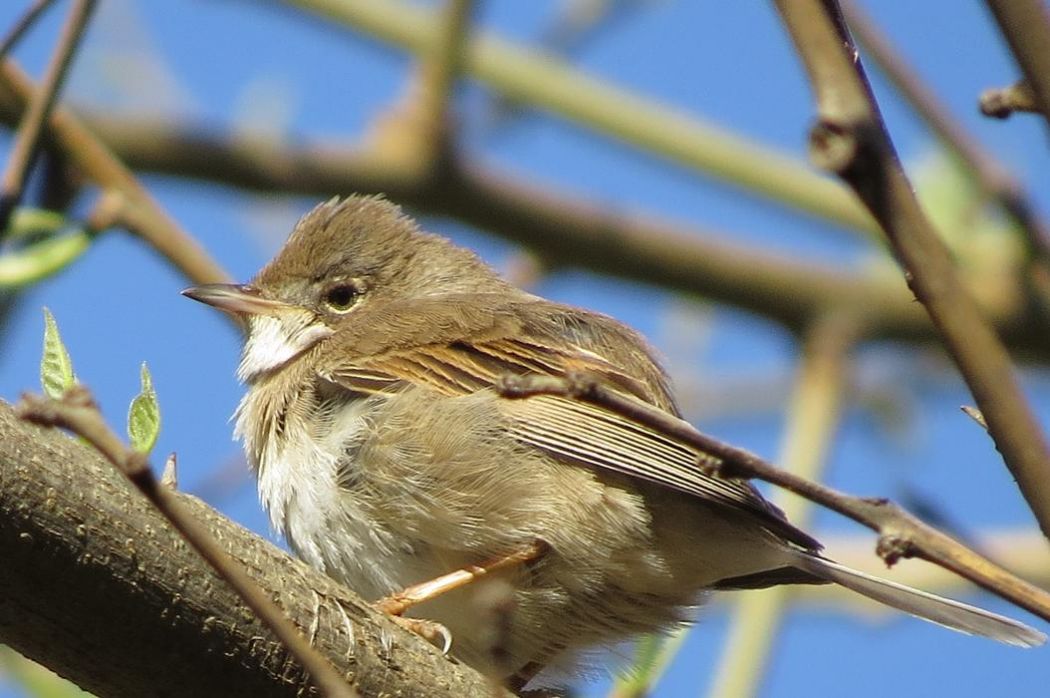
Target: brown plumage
[386, 457]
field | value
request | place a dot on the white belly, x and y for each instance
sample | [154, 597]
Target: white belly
[323, 523]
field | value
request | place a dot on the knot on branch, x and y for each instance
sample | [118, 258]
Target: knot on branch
[834, 145]
[893, 546]
[1001, 102]
[716, 467]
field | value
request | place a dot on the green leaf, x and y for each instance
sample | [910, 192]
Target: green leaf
[56, 368]
[42, 259]
[144, 416]
[27, 221]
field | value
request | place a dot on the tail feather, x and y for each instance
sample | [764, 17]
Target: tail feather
[936, 609]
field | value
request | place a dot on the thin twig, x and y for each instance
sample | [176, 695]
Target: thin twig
[546, 82]
[901, 535]
[77, 413]
[27, 139]
[992, 177]
[22, 25]
[1001, 102]
[1026, 26]
[564, 229]
[851, 140]
[813, 417]
[415, 138]
[93, 158]
[439, 71]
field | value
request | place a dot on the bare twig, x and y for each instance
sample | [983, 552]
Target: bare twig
[813, 417]
[553, 84]
[1001, 102]
[415, 138]
[564, 230]
[77, 413]
[992, 177]
[92, 157]
[901, 535]
[1026, 26]
[850, 139]
[27, 139]
[440, 70]
[22, 25]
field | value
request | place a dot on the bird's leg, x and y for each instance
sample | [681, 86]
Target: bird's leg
[397, 603]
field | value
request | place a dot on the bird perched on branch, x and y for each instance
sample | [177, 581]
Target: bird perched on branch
[388, 459]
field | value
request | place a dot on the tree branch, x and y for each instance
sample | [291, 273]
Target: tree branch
[543, 81]
[814, 415]
[560, 229]
[1026, 26]
[78, 413]
[30, 131]
[147, 612]
[901, 535]
[95, 160]
[992, 177]
[22, 25]
[850, 139]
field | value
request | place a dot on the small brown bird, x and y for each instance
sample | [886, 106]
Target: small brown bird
[386, 457]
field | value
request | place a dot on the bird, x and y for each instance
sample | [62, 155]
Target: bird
[388, 459]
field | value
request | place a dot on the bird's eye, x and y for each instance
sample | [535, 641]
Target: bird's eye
[341, 298]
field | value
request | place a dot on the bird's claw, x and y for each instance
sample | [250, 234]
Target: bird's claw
[433, 632]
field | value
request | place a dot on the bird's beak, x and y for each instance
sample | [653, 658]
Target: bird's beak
[239, 299]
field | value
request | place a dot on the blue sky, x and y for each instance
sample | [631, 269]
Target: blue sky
[264, 66]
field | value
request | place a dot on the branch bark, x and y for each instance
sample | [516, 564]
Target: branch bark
[98, 587]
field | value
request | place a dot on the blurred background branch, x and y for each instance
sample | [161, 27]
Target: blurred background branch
[422, 145]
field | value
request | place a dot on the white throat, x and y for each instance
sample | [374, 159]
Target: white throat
[273, 341]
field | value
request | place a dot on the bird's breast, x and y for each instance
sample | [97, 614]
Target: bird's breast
[304, 453]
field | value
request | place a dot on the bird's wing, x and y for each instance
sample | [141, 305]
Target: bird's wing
[567, 429]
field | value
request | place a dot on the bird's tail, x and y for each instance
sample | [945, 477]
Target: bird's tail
[936, 609]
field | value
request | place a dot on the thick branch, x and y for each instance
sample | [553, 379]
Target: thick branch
[78, 413]
[97, 586]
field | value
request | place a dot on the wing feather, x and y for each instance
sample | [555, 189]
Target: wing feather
[567, 429]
